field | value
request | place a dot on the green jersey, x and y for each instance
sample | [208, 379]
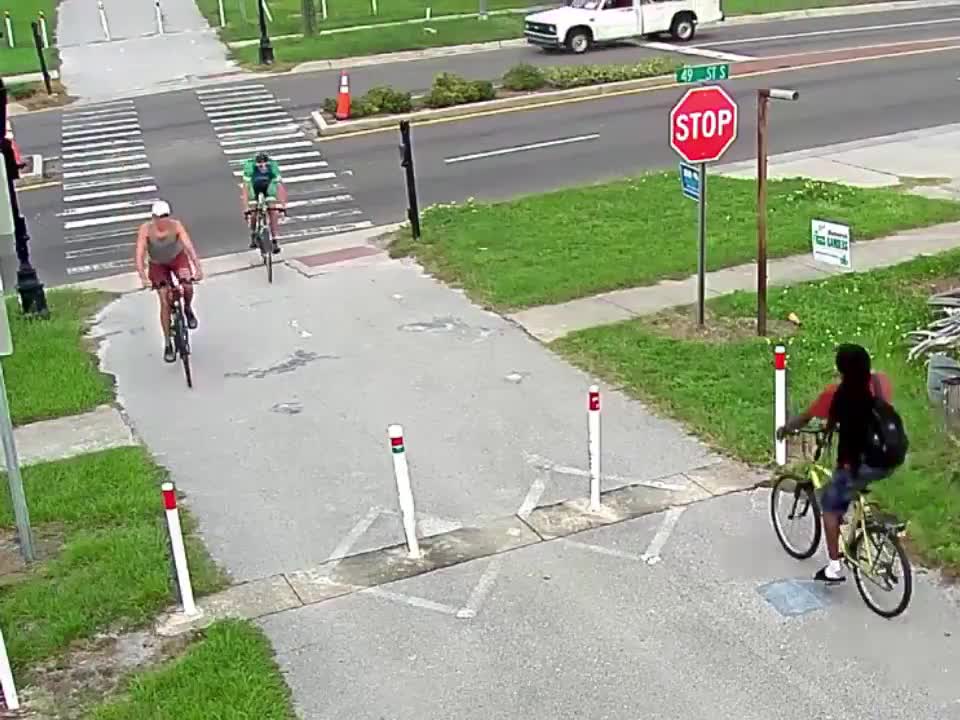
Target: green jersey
[269, 176]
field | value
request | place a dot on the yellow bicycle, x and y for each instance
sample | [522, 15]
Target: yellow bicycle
[869, 540]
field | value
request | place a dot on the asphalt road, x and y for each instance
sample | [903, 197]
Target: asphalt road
[185, 135]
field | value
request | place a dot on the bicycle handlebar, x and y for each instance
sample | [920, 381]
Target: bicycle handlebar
[822, 438]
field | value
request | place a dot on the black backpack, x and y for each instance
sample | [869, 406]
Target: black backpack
[887, 443]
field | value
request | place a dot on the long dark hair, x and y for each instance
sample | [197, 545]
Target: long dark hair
[852, 408]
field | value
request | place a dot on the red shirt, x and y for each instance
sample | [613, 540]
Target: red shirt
[821, 406]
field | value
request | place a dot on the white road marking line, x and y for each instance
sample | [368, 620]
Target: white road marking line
[260, 131]
[86, 185]
[317, 232]
[533, 497]
[246, 141]
[545, 464]
[97, 267]
[88, 132]
[250, 103]
[102, 250]
[350, 539]
[698, 51]
[652, 554]
[835, 31]
[131, 118]
[106, 109]
[283, 156]
[233, 115]
[227, 88]
[125, 117]
[267, 146]
[102, 235]
[92, 222]
[520, 148]
[482, 589]
[118, 144]
[295, 166]
[236, 95]
[105, 161]
[109, 151]
[600, 550]
[90, 209]
[113, 193]
[281, 119]
[295, 179]
[351, 212]
[416, 602]
[106, 171]
[319, 201]
[101, 136]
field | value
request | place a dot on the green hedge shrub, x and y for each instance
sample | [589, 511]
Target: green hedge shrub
[570, 76]
[449, 89]
[524, 77]
[378, 101]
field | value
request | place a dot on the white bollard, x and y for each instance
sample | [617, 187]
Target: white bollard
[9, 27]
[103, 20]
[323, 8]
[429, 11]
[593, 445]
[404, 492]
[780, 400]
[179, 551]
[223, 17]
[6, 678]
[159, 12]
[373, 7]
[43, 30]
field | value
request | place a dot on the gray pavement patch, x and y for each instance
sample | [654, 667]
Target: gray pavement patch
[792, 597]
[727, 476]
[299, 359]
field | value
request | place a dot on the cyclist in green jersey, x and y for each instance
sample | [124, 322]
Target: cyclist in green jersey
[261, 174]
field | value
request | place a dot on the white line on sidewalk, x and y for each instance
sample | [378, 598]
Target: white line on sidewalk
[521, 148]
[97, 267]
[482, 590]
[546, 464]
[250, 150]
[106, 171]
[106, 161]
[247, 140]
[600, 550]
[670, 518]
[113, 193]
[109, 182]
[227, 88]
[136, 147]
[698, 51]
[416, 602]
[835, 31]
[91, 209]
[95, 131]
[92, 222]
[350, 539]
[101, 250]
[533, 497]
[101, 136]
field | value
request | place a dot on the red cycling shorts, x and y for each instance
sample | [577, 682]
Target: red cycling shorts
[160, 272]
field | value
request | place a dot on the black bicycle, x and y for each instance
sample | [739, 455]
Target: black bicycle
[262, 236]
[179, 331]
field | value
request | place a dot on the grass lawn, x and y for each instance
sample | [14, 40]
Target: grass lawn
[229, 673]
[750, 7]
[51, 372]
[22, 58]
[112, 567]
[386, 40]
[722, 386]
[577, 242]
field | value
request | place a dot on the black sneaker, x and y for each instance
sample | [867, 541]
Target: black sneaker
[191, 318]
[169, 354]
[276, 248]
[822, 576]
[253, 242]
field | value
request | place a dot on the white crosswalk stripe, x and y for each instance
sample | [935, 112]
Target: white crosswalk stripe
[108, 188]
[248, 119]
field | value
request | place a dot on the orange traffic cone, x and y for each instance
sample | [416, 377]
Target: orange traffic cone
[343, 97]
[18, 158]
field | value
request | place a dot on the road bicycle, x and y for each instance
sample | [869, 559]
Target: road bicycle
[262, 236]
[179, 332]
[869, 540]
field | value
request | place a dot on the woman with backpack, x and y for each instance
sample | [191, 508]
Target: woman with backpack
[870, 446]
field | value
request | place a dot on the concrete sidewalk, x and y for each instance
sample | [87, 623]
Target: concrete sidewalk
[924, 162]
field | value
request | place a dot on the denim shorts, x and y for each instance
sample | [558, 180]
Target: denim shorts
[839, 493]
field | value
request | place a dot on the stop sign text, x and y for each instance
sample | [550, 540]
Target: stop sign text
[703, 125]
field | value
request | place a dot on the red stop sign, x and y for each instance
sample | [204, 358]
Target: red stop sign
[703, 124]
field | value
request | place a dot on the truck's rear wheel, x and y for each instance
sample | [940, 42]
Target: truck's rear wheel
[684, 27]
[578, 41]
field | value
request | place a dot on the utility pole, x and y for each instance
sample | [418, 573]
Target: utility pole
[266, 49]
[763, 99]
[309, 12]
[33, 301]
[406, 162]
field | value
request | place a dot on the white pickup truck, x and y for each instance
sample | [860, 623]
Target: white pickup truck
[583, 23]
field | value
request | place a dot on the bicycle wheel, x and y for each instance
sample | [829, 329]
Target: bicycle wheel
[266, 250]
[802, 512]
[876, 570]
[182, 344]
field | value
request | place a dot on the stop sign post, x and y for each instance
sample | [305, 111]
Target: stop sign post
[703, 125]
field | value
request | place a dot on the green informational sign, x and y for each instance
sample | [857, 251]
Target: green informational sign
[702, 73]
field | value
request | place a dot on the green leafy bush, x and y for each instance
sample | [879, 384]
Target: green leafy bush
[570, 76]
[378, 101]
[524, 77]
[449, 89]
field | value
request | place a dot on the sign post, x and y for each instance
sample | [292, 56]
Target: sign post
[20, 512]
[703, 125]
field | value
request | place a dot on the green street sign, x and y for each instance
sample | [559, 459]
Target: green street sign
[700, 73]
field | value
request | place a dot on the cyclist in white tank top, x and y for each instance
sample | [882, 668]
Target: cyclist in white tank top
[170, 250]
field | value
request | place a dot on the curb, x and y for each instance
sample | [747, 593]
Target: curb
[326, 129]
[406, 56]
[838, 11]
